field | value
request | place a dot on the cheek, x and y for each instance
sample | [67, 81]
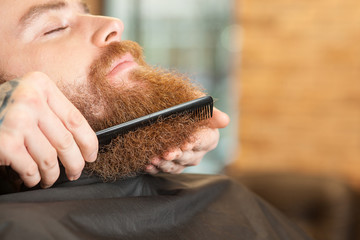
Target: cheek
[61, 65]
[14, 63]
[65, 60]
[65, 68]
[69, 61]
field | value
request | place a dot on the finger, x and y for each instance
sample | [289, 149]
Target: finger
[17, 157]
[166, 166]
[13, 152]
[23, 164]
[191, 158]
[45, 156]
[186, 158]
[151, 169]
[75, 123]
[62, 140]
[219, 119]
[205, 140]
[84, 136]
[173, 154]
[179, 169]
[156, 161]
[187, 146]
[170, 167]
[195, 159]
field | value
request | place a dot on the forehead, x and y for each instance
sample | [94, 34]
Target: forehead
[11, 11]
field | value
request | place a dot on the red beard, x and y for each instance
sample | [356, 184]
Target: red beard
[147, 90]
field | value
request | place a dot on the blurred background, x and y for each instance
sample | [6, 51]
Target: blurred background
[288, 73]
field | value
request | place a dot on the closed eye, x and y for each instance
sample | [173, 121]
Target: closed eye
[56, 30]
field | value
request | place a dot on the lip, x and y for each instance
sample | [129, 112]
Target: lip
[122, 65]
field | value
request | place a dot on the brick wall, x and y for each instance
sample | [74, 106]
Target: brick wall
[300, 87]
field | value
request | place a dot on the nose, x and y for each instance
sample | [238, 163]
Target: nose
[107, 30]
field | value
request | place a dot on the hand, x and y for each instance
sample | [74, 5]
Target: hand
[191, 153]
[38, 124]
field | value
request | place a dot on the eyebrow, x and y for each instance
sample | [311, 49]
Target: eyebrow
[38, 10]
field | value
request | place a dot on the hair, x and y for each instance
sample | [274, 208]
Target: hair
[4, 77]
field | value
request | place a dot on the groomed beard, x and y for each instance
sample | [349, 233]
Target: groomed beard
[146, 90]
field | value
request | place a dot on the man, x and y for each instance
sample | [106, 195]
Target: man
[55, 56]
[49, 45]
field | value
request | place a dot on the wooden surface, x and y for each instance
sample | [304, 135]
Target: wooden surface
[300, 87]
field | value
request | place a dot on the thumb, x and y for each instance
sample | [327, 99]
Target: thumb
[219, 119]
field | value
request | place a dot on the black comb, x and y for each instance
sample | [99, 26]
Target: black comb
[200, 109]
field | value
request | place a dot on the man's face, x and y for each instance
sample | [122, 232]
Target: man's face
[57, 37]
[105, 78]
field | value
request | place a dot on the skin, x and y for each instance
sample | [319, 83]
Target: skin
[56, 43]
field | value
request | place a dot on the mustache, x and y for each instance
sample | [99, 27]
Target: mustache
[113, 52]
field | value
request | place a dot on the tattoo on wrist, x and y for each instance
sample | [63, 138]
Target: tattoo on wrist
[6, 90]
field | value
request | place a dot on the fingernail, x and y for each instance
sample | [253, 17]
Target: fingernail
[93, 157]
[169, 156]
[186, 147]
[44, 186]
[155, 161]
[75, 177]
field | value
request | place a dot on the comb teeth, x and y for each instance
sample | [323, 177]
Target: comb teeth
[202, 112]
[199, 109]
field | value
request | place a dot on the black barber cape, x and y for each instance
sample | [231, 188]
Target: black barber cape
[193, 207]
